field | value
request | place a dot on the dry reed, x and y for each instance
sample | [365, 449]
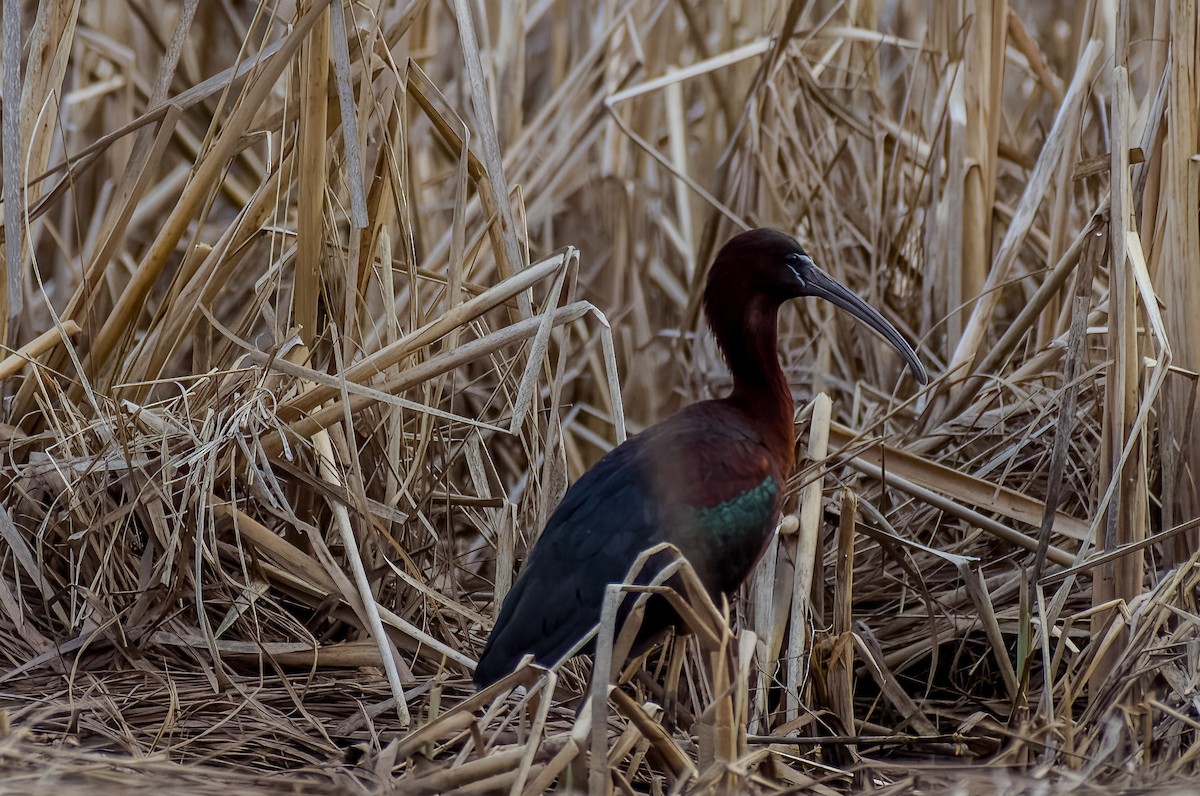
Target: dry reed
[312, 310]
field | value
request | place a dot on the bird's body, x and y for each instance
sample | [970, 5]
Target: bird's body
[718, 503]
[709, 479]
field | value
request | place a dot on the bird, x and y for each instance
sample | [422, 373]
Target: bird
[709, 479]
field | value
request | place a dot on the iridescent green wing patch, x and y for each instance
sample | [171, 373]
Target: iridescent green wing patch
[750, 509]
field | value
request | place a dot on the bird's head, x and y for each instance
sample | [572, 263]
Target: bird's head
[770, 263]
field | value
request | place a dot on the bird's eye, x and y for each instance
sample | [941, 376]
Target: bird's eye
[793, 261]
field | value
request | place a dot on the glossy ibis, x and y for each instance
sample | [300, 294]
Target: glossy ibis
[709, 479]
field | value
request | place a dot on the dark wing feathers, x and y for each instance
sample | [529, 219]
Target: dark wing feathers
[603, 522]
[655, 487]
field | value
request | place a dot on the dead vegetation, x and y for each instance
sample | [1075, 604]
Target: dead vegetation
[313, 309]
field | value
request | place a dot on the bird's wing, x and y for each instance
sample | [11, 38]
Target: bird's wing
[598, 530]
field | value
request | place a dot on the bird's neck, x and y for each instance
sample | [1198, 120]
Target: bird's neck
[748, 337]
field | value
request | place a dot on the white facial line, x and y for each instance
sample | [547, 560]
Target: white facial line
[805, 260]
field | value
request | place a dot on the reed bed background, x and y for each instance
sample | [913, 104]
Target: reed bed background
[313, 310]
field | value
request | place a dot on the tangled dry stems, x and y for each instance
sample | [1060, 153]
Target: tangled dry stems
[319, 310]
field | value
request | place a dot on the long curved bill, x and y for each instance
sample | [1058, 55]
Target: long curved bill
[821, 285]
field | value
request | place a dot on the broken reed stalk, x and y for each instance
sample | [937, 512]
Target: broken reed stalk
[799, 645]
[840, 676]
